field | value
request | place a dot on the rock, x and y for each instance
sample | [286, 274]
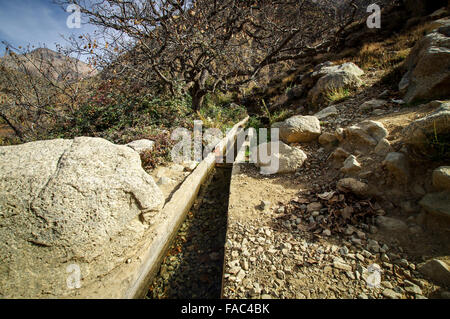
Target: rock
[437, 270]
[326, 232]
[295, 92]
[299, 129]
[69, 201]
[372, 104]
[441, 178]
[378, 112]
[391, 224]
[240, 276]
[142, 146]
[336, 77]
[439, 13]
[352, 185]
[342, 265]
[420, 133]
[366, 133]
[391, 294]
[383, 147]
[163, 181]
[281, 275]
[330, 111]
[286, 160]
[177, 168]
[340, 154]
[339, 133]
[397, 165]
[312, 207]
[413, 290]
[328, 139]
[428, 67]
[410, 207]
[437, 204]
[373, 246]
[351, 165]
[190, 166]
[265, 205]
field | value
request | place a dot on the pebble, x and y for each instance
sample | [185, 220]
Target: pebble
[391, 294]
[342, 266]
[413, 290]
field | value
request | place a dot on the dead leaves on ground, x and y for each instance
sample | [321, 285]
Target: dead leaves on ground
[338, 211]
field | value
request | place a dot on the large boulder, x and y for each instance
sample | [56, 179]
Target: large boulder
[437, 204]
[284, 159]
[81, 201]
[428, 67]
[334, 77]
[299, 129]
[433, 127]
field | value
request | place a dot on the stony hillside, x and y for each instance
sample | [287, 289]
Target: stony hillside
[46, 62]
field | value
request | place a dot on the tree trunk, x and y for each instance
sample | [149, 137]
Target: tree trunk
[14, 128]
[198, 90]
[197, 101]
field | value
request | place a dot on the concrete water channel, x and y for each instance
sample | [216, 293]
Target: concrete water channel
[185, 258]
[193, 265]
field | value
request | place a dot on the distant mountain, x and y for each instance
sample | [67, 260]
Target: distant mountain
[45, 62]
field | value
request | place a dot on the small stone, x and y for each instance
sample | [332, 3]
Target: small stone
[391, 294]
[344, 251]
[351, 165]
[326, 232]
[281, 275]
[265, 205]
[165, 181]
[312, 207]
[373, 229]
[413, 290]
[342, 266]
[240, 275]
[387, 284]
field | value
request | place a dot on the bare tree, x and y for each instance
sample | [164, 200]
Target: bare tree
[203, 45]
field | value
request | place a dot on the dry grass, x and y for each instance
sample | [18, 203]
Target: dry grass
[337, 95]
[387, 54]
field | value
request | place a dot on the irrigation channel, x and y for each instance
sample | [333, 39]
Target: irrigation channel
[192, 268]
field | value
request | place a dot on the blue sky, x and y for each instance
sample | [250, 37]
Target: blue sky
[35, 22]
